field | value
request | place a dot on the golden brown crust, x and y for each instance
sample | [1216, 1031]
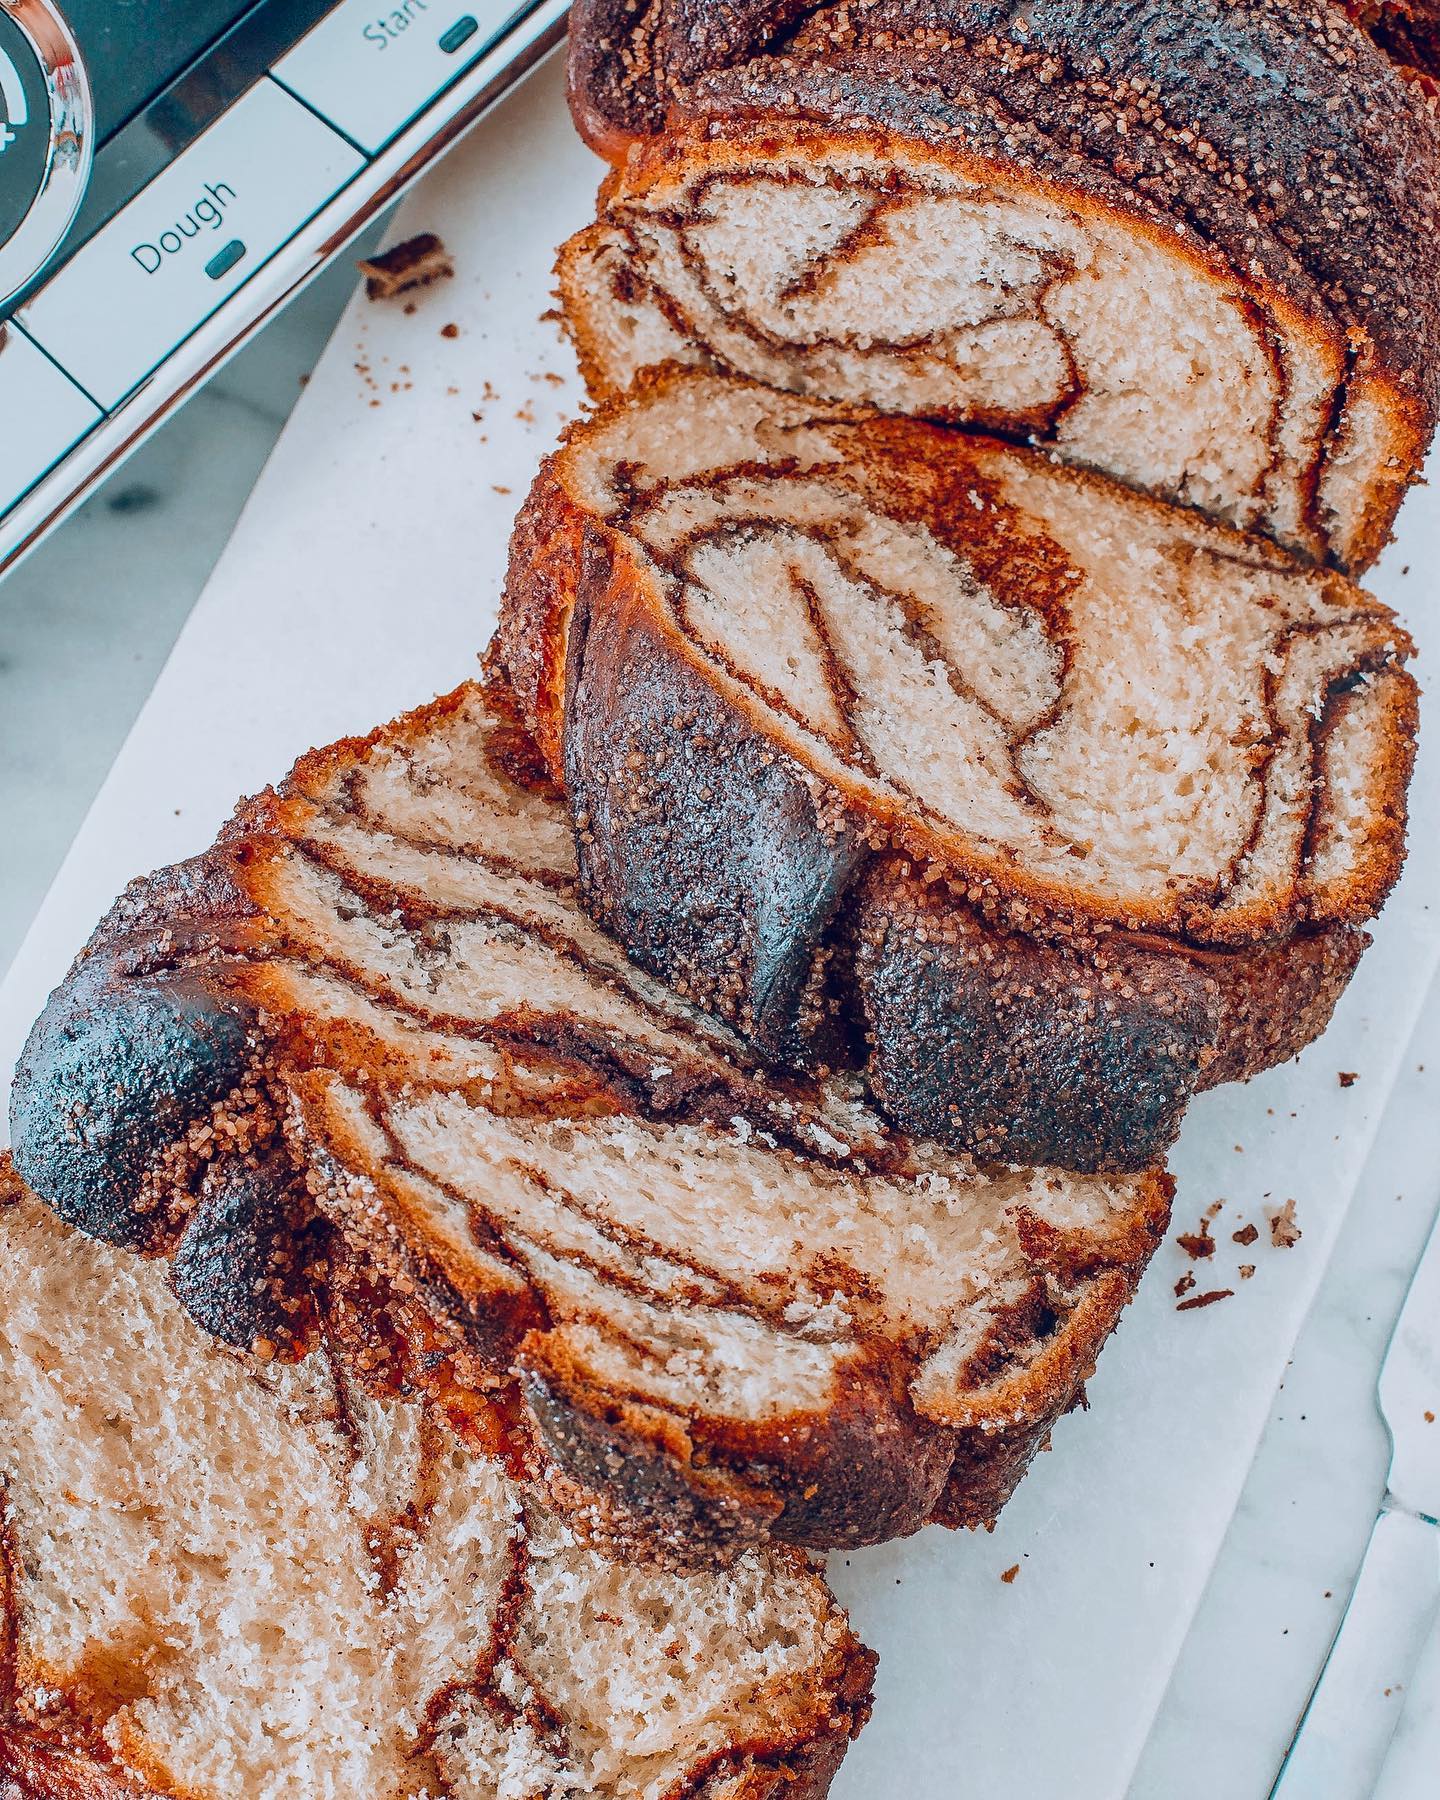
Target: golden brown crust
[32, 1769]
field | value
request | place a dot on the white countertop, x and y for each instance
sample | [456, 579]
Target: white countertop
[1184, 1558]
[88, 620]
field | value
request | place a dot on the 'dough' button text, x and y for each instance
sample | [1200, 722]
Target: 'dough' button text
[208, 212]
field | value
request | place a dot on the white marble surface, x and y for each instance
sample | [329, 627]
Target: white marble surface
[88, 620]
[1177, 1547]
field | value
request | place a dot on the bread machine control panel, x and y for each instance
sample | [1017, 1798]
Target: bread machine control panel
[173, 171]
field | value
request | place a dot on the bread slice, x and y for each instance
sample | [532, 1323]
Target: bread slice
[1192, 245]
[1071, 801]
[736, 1306]
[223, 1579]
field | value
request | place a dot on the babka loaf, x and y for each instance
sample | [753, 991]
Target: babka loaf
[1193, 243]
[734, 1306]
[233, 1581]
[1069, 801]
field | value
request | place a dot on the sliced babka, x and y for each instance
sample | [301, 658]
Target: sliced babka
[1068, 801]
[734, 1305]
[1192, 243]
[232, 1580]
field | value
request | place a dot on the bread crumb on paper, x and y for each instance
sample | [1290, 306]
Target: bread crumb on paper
[1348, 1078]
[1008, 1575]
[416, 263]
[1246, 1271]
[1246, 1235]
[1206, 1299]
[1284, 1232]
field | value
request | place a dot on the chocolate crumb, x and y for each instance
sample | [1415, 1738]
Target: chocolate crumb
[1348, 1078]
[1206, 1299]
[1185, 1283]
[415, 263]
[1247, 1234]
[1197, 1244]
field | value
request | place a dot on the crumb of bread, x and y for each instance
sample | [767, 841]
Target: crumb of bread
[1348, 1078]
[1008, 1575]
[1246, 1235]
[1284, 1232]
[1206, 1299]
[415, 263]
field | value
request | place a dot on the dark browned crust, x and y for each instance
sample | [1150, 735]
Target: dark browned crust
[1096, 1043]
[230, 1188]
[710, 861]
[866, 1470]
[1080, 1053]
[131, 1054]
[240, 1266]
[1002, 1016]
[1276, 1001]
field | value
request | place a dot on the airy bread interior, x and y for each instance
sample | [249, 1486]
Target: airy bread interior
[1095, 697]
[232, 1579]
[958, 290]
